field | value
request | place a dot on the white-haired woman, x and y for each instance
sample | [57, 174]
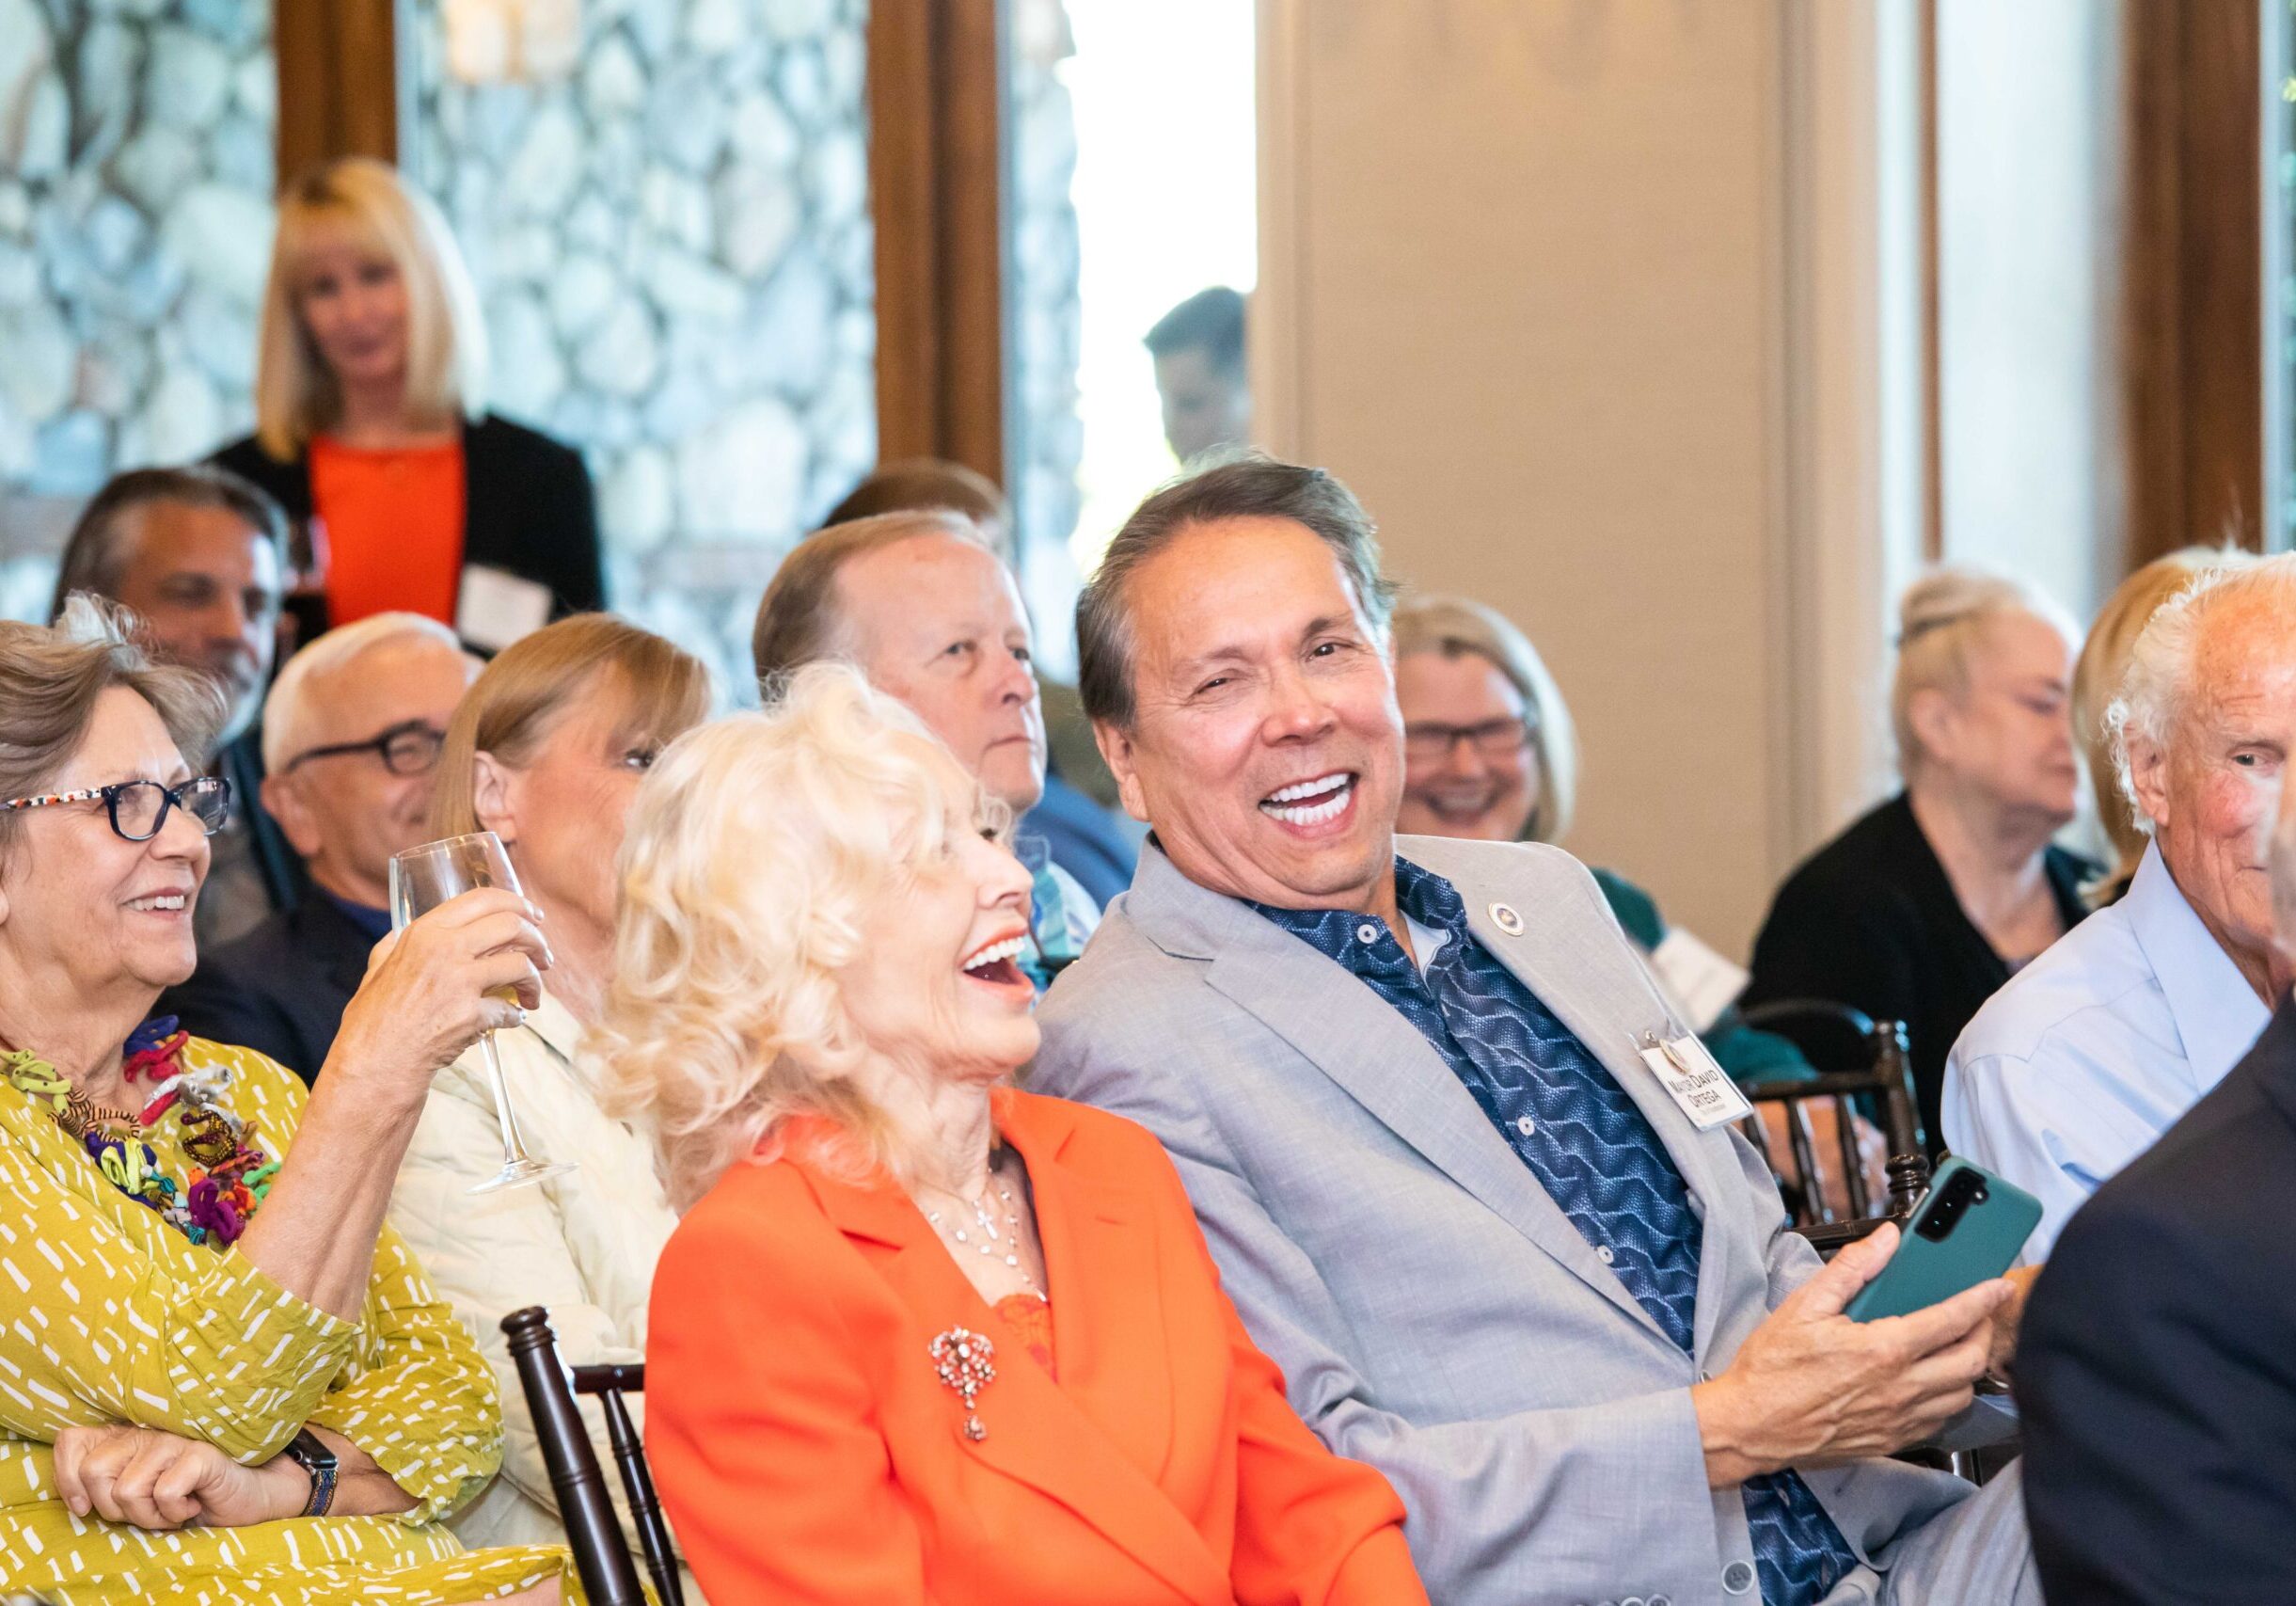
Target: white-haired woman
[221, 1376]
[370, 422]
[922, 1337]
[1921, 910]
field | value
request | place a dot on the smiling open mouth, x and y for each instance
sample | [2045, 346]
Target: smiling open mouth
[998, 962]
[159, 903]
[1311, 802]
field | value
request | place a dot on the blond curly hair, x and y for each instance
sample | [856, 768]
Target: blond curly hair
[757, 850]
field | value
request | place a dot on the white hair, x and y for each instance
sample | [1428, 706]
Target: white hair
[1940, 619]
[287, 711]
[2161, 674]
[758, 850]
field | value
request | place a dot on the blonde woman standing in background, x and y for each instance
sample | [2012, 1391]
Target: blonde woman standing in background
[371, 422]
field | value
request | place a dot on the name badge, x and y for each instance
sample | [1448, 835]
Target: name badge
[1700, 1088]
[496, 607]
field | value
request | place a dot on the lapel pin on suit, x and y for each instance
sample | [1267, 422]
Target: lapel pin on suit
[966, 1361]
[1506, 919]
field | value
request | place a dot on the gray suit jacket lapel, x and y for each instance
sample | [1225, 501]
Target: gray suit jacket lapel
[1362, 1043]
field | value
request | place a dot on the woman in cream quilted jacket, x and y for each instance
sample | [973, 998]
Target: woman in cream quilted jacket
[547, 750]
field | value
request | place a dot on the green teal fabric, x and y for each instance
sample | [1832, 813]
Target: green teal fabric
[1746, 1054]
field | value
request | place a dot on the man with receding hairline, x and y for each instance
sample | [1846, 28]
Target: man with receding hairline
[2157, 1369]
[352, 731]
[920, 604]
[1471, 1182]
[2090, 1052]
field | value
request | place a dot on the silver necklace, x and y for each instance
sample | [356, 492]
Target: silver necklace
[984, 1235]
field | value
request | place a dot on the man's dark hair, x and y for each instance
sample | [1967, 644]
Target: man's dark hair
[95, 555]
[1211, 322]
[1247, 484]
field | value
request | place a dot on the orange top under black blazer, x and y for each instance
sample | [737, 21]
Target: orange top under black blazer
[807, 1452]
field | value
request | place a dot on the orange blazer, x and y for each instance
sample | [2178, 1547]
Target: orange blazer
[806, 1451]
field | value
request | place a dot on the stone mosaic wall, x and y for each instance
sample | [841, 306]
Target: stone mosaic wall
[135, 171]
[673, 244]
[674, 251]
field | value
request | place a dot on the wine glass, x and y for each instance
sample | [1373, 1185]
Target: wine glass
[424, 878]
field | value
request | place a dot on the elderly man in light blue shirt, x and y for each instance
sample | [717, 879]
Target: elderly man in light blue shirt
[2092, 1051]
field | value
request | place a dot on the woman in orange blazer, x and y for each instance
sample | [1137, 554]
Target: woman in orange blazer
[924, 1338]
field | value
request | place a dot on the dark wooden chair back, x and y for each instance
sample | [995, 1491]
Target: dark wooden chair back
[1862, 1065]
[592, 1531]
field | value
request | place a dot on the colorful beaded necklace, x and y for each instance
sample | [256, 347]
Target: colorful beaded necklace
[230, 1176]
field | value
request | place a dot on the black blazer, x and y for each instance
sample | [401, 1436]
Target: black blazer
[1870, 920]
[527, 506]
[2155, 1369]
[280, 989]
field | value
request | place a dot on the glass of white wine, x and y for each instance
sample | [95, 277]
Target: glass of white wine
[424, 878]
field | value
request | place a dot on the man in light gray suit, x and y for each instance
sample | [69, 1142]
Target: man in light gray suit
[1468, 1179]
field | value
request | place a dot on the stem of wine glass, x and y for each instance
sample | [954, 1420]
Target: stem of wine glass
[514, 1145]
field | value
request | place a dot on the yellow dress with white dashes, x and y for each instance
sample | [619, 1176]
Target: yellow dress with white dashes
[109, 1315]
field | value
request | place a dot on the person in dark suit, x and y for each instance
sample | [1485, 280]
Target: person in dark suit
[371, 428]
[2156, 1371]
[198, 556]
[1923, 908]
[352, 732]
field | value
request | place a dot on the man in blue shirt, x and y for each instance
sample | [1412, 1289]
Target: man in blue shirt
[2094, 1049]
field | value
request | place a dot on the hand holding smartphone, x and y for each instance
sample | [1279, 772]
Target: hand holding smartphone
[1967, 1230]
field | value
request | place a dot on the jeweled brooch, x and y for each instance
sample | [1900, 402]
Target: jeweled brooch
[965, 1362]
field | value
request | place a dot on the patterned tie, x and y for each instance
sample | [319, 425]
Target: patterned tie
[1589, 1145]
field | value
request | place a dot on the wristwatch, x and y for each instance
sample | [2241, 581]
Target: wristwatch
[315, 1457]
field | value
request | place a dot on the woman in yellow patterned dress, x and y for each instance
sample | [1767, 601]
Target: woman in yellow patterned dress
[221, 1378]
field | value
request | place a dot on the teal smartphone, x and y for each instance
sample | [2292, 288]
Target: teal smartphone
[1967, 1230]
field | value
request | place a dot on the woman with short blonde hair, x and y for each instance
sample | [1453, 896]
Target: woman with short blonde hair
[1489, 753]
[547, 750]
[1922, 909]
[893, 1255]
[372, 421]
[1456, 628]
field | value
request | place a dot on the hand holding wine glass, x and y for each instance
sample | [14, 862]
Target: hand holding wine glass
[438, 876]
[436, 987]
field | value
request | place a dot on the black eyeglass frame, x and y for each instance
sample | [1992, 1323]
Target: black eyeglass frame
[171, 798]
[1516, 732]
[380, 745]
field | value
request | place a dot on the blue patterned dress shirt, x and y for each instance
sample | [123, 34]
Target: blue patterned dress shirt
[1589, 1145]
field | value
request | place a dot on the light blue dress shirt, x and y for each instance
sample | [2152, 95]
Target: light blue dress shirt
[2094, 1050]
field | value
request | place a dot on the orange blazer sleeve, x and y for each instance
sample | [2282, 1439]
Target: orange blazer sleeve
[760, 1426]
[1312, 1528]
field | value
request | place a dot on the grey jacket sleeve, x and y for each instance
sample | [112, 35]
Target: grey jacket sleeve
[1596, 1502]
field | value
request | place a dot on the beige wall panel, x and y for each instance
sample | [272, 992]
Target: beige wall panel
[1522, 289]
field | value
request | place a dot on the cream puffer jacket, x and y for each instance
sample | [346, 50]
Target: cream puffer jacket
[583, 1245]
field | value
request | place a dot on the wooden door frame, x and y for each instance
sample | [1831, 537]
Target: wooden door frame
[940, 160]
[332, 101]
[2191, 365]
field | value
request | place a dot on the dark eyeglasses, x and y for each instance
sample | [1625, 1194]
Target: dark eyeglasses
[409, 748]
[140, 808]
[1493, 739]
